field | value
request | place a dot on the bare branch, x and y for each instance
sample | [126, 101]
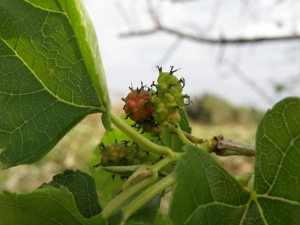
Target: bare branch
[211, 40]
[243, 77]
[169, 51]
[228, 147]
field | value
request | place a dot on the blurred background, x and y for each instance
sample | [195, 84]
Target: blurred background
[238, 59]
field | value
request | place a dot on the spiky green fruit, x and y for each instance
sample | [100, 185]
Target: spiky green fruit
[122, 154]
[168, 99]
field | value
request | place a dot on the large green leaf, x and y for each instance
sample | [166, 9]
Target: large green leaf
[207, 194]
[51, 75]
[83, 187]
[43, 206]
[277, 167]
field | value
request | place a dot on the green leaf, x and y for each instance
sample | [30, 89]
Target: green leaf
[116, 219]
[98, 220]
[146, 215]
[83, 187]
[172, 140]
[206, 192]
[51, 76]
[162, 219]
[277, 164]
[45, 206]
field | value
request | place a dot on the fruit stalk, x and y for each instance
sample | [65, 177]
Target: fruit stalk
[138, 138]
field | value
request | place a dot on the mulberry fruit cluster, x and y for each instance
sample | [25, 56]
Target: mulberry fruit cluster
[150, 108]
[123, 154]
[168, 99]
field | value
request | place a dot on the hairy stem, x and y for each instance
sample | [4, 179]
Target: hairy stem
[138, 138]
[148, 195]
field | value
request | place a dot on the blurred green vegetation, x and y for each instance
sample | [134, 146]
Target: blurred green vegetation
[213, 110]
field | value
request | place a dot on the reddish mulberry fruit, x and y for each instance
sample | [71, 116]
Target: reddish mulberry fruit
[138, 106]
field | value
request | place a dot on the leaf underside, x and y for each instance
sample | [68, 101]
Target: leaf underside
[207, 194]
[51, 76]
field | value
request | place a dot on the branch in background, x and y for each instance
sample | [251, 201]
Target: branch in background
[208, 40]
[169, 51]
[243, 77]
[200, 37]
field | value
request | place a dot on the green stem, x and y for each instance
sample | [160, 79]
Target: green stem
[207, 145]
[147, 195]
[145, 170]
[162, 163]
[182, 136]
[187, 137]
[112, 207]
[138, 138]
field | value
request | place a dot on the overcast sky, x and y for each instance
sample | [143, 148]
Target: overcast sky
[132, 60]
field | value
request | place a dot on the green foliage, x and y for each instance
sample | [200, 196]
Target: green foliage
[162, 219]
[212, 192]
[83, 188]
[51, 76]
[210, 109]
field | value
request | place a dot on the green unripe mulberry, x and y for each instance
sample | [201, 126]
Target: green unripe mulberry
[168, 99]
[122, 154]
